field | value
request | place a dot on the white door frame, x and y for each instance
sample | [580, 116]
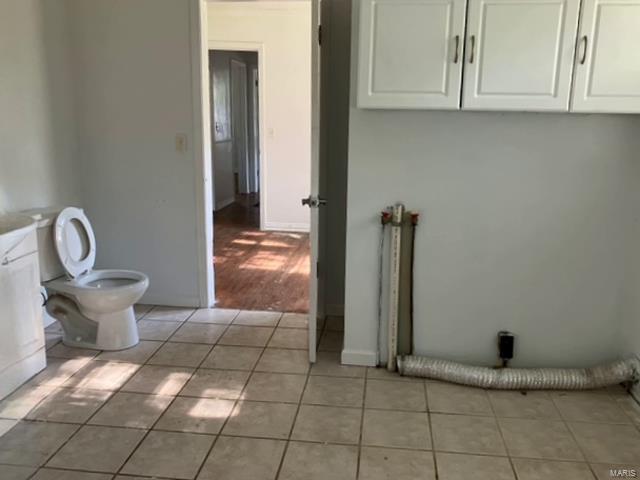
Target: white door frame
[240, 120]
[257, 47]
[202, 149]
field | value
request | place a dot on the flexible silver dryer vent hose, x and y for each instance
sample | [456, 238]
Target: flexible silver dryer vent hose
[521, 378]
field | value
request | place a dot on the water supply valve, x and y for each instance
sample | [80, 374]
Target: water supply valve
[505, 346]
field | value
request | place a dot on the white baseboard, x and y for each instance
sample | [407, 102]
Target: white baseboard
[334, 310]
[364, 358]
[224, 203]
[286, 227]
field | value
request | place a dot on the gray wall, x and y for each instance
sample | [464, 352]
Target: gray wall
[37, 124]
[135, 93]
[526, 226]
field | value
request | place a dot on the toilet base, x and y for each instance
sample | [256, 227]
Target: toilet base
[98, 331]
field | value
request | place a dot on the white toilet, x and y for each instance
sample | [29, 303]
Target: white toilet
[94, 307]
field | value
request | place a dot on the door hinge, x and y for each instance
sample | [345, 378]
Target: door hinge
[317, 269]
[320, 35]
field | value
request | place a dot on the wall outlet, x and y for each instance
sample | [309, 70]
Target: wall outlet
[181, 142]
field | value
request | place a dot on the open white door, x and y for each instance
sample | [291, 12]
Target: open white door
[254, 171]
[239, 125]
[314, 201]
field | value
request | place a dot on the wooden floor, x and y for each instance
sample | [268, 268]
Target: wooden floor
[258, 270]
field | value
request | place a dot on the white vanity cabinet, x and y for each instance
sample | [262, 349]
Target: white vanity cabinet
[410, 53]
[607, 67]
[22, 352]
[519, 54]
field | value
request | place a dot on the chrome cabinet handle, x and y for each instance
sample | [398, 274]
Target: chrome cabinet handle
[457, 52]
[472, 55]
[584, 41]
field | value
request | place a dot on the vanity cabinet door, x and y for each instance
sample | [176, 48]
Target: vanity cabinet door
[21, 328]
[410, 53]
[607, 69]
[519, 54]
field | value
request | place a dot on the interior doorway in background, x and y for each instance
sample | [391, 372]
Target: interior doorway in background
[254, 269]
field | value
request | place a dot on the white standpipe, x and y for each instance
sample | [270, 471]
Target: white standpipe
[394, 285]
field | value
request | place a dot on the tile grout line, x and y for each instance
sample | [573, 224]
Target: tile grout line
[299, 403]
[293, 425]
[577, 462]
[235, 401]
[79, 426]
[239, 398]
[140, 366]
[146, 363]
[361, 437]
[111, 395]
[433, 443]
[176, 396]
[504, 442]
[566, 424]
[148, 430]
[295, 417]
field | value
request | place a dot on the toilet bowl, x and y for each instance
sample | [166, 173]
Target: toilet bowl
[94, 307]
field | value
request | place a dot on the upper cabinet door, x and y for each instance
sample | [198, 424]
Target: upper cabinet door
[607, 77]
[519, 54]
[410, 53]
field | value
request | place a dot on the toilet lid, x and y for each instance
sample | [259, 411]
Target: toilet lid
[75, 241]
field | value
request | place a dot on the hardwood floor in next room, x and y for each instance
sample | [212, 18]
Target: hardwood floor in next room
[258, 270]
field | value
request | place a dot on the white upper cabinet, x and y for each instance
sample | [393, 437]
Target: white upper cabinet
[410, 53]
[607, 71]
[519, 54]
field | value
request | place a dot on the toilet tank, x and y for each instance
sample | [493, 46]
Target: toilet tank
[50, 266]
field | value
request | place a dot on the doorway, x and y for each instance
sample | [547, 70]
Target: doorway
[234, 128]
[256, 267]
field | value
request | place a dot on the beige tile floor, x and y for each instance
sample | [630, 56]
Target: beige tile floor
[224, 394]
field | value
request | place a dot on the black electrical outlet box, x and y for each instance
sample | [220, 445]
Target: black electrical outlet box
[505, 345]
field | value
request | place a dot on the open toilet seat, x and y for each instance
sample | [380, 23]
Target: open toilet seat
[75, 242]
[99, 291]
[95, 307]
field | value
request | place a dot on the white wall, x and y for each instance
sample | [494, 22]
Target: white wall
[134, 75]
[37, 124]
[283, 30]
[525, 226]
